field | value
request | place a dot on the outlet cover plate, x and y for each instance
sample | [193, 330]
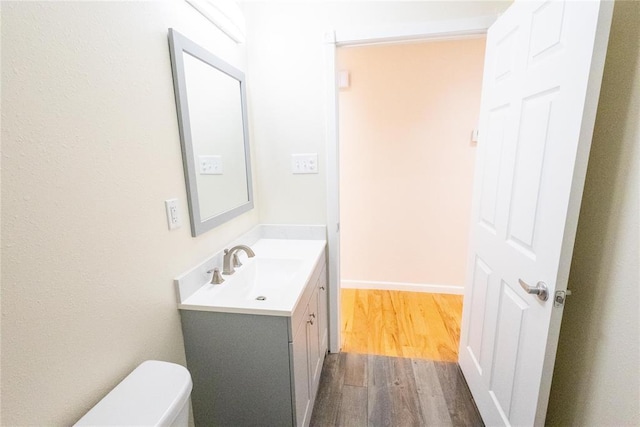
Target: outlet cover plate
[210, 165]
[304, 163]
[173, 214]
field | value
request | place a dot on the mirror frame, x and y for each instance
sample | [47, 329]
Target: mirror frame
[178, 45]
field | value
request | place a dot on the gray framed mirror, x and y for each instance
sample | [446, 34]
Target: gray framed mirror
[211, 103]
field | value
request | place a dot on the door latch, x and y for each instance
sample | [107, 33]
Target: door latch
[560, 298]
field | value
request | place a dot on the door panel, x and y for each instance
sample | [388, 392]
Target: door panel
[546, 29]
[492, 167]
[482, 273]
[530, 148]
[543, 68]
[511, 313]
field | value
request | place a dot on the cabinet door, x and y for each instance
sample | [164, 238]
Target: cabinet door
[323, 314]
[300, 359]
[315, 361]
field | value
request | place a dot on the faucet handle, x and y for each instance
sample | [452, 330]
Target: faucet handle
[236, 260]
[217, 278]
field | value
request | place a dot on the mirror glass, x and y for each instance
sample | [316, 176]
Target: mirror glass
[211, 101]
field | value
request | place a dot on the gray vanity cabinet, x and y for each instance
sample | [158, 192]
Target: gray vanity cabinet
[252, 369]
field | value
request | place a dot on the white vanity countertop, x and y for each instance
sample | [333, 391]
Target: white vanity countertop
[279, 271]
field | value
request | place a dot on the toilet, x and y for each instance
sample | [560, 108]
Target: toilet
[154, 394]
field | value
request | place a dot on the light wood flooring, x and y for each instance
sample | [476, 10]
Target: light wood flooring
[401, 324]
[367, 390]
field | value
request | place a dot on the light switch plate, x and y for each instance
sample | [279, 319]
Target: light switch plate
[173, 214]
[210, 165]
[304, 163]
[344, 79]
[474, 135]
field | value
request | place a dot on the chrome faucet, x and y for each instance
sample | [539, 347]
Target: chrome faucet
[230, 260]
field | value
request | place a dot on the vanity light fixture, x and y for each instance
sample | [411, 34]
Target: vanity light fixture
[224, 14]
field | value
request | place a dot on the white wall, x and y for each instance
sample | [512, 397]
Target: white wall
[596, 380]
[286, 82]
[90, 152]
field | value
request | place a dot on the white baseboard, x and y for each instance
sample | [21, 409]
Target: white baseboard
[398, 286]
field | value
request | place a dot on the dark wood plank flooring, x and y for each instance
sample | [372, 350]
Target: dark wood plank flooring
[368, 390]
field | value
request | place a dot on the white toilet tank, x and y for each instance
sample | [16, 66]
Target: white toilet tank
[154, 394]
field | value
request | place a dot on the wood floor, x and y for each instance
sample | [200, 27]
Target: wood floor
[401, 324]
[368, 390]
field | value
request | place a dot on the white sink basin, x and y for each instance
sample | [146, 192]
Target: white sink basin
[269, 283]
[270, 278]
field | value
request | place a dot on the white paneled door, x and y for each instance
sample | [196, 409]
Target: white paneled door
[543, 70]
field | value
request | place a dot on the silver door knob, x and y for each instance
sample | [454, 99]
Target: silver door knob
[540, 289]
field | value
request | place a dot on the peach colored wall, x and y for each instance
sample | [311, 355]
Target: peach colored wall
[406, 160]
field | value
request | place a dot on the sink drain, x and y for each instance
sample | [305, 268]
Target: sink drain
[261, 298]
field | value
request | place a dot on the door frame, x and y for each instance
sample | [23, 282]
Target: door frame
[436, 30]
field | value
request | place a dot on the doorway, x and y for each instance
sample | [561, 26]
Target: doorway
[407, 112]
[343, 38]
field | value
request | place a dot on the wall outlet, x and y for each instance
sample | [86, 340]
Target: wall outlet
[304, 163]
[173, 214]
[210, 165]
